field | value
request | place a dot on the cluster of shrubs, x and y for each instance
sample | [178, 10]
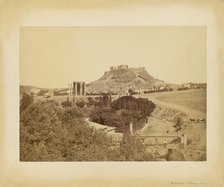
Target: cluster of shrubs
[100, 93]
[182, 88]
[131, 92]
[161, 90]
[81, 103]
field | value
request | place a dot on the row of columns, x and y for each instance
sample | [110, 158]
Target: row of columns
[77, 88]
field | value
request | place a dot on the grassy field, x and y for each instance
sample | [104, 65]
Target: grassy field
[194, 99]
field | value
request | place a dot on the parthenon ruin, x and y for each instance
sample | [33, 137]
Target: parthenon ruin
[77, 88]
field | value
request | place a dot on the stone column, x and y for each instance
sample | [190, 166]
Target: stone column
[84, 88]
[78, 88]
[74, 88]
[81, 88]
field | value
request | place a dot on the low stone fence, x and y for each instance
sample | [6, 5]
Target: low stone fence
[157, 140]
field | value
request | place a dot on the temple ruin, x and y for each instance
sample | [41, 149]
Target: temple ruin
[121, 67]
[77, 89]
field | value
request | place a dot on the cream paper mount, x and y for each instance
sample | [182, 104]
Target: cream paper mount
[15, 15]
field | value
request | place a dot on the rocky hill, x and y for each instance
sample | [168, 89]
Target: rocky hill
[122, 78]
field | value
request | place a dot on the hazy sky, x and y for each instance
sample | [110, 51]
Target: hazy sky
[57, 56]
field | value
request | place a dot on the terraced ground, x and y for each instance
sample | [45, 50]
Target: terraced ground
[185, 104]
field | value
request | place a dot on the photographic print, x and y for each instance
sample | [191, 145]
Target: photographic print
[113, 93]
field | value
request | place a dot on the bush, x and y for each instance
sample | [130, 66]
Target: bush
[80, 104]
[182, 88]
[175, 155]
[66, 103]
[133, 150]
[189, 141]
[105, 100]
[179, 123]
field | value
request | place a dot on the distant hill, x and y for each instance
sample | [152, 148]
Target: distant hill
[34, 89]
[123, 78]
[29, 89]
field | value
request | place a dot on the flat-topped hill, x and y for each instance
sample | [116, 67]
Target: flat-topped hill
[122, 78]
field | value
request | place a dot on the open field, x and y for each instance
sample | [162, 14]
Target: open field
[193, 99]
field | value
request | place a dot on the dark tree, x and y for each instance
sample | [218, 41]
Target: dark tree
[123, 111]
[80, 104]
[179, 123]
[66, 103]
[131, 103]
[25, 101]
[105, 100]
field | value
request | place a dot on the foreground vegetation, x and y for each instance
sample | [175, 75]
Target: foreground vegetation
[50, 132]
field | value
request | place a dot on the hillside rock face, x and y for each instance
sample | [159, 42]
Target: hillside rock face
[122, 78]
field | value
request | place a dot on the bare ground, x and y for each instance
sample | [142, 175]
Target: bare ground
[164, 116]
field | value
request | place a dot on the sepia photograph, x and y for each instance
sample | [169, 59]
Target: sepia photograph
[113, 93]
